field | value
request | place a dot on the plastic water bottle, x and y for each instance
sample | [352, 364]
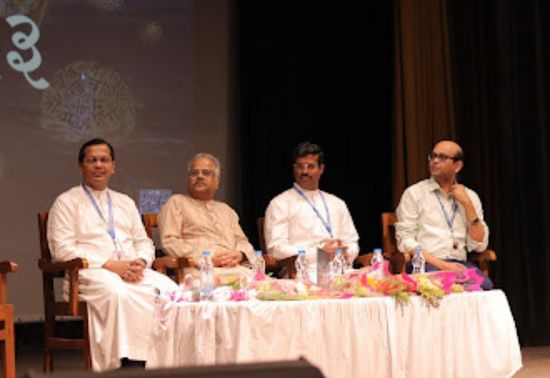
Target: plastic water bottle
[258, 266]
[301, 266]
[377, 263]
[207, 277]
[337, 265]
[418, 262]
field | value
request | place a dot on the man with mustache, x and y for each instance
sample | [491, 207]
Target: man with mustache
[94, 222]
[304, 217]
[441, 216]
[190, 224]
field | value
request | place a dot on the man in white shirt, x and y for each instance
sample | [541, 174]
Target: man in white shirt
[104, 227]
[304, 217]
[441, 216]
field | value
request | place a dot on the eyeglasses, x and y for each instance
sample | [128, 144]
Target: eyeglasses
[205, 172]
[303, 166]
[441, 157]
[102, 160]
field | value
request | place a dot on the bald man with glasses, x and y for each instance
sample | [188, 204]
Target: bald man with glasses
[441, 216]
[192, 223]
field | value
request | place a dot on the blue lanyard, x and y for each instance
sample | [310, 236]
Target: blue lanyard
[111, 220]
[326, 223]
[451, 220]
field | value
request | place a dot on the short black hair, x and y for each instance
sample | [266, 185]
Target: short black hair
[307, 148]
[94, 142]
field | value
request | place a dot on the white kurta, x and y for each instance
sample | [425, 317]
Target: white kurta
[291, 224]
[120, 313]
[421, 221]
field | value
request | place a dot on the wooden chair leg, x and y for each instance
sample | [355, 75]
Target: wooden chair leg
[87, 354]
[48, 334]
[9, 344]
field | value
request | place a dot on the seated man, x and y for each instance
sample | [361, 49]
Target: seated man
[442, 217]
[304, 217]
[190, 224]
[96, 223]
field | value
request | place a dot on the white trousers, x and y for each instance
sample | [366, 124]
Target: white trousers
[120, 314]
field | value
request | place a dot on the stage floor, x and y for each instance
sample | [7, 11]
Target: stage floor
[535, 361]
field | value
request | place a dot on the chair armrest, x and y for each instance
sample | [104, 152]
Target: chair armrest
[162, 264]
[48, 266]
[170, 262]
[487, 255]
[364, 260]
[482, 259]
[71, 269]
[8, 266]
[290, 264]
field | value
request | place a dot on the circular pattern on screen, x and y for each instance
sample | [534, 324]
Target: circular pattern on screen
[108, 5]
[11, 7]
[85, 100]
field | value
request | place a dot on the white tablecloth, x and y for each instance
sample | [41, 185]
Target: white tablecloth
[468, 335]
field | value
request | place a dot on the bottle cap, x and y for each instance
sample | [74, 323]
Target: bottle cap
[377, 250]
[301, 251]
[206, 252]
[339, 251]
[258, 251]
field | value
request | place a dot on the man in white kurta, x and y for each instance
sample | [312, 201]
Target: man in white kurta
[190, 224]
[304, 217]
[104, 227]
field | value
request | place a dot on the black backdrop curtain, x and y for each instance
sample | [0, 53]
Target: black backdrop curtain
[321, 72]
[501, 56]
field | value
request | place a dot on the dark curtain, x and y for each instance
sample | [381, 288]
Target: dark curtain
[321, 72]
[500, 51]
[423, 96]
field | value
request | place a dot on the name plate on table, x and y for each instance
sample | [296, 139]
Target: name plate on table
[323, 268]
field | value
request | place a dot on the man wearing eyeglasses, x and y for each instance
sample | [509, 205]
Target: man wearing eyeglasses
[103, 226]
[305, 217]
[441, 216]
[190, 224]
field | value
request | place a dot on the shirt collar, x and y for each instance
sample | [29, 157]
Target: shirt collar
[307, 192]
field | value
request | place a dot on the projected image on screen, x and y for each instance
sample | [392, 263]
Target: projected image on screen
[86, 99]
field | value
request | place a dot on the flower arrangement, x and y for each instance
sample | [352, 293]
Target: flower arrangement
[366, 282]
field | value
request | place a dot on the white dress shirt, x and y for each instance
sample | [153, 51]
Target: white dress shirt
[421, 221]
[291, 224]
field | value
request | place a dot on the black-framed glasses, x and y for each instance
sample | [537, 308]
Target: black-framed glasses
[441, 157]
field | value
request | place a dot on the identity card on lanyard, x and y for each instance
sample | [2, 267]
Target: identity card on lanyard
[110, 220]
[326, 223]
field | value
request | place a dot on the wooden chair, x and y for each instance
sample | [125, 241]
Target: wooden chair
[55, 308]
[398, 259]
[169, 265]
[271, 264]
[6, 317]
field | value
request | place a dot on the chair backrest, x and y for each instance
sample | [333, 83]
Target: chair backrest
[42, 234]
[389, 243]
[150, 222]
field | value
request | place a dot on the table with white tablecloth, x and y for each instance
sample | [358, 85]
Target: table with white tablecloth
[467, 335]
